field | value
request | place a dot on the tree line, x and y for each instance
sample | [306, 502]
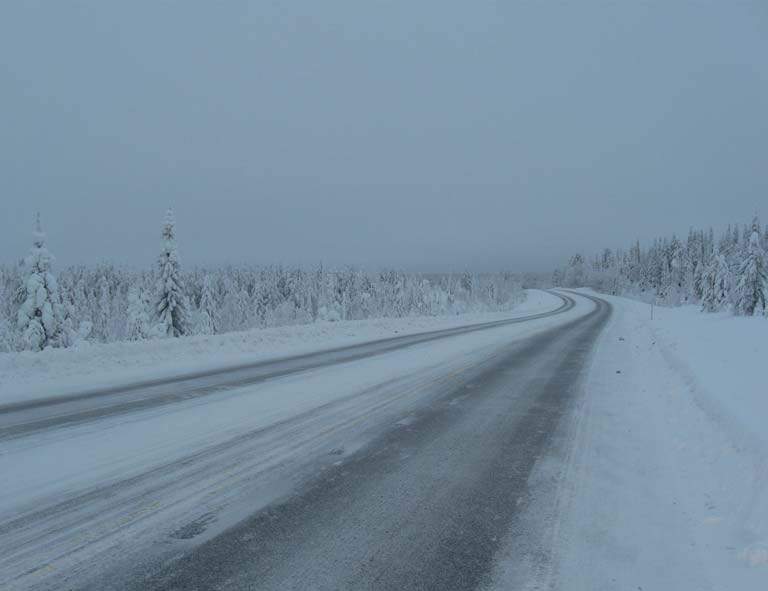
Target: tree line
[108, 303]
[727, 272]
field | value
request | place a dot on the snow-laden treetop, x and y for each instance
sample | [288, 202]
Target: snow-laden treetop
[39, 258]
[169, 226]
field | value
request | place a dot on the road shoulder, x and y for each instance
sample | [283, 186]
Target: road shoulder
[647, 490]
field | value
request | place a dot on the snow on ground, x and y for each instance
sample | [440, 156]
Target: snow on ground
[723, 358]
[26, 375]
[660, 480]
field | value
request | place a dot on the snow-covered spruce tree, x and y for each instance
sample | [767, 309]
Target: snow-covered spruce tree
[6, 334]
[208, 310]
[171, 305]
[104, 310]
[749, 295]
[722, 285]
[137, 325]
[716, 284]
[40, 318]
[575, 273]
[707, 286]
[234, 307]
[699, 280]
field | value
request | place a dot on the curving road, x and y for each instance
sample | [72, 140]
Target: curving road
[24, 418]
[410, 482]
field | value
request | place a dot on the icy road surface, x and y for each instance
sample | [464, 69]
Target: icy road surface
[400, 464]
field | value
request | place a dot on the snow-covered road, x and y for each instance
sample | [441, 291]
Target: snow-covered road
[47, 413]
[112, 490]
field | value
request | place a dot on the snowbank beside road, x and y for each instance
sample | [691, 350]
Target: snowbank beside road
[723, 357]
[26, 376]
[660, 480]
[720, 356]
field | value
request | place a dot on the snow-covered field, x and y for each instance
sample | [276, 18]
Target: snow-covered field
[27, 375]
[660, 480]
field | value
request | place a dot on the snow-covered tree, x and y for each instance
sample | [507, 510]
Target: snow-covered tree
[208, 313]
[716, 284]
[105, 309]
[575, 273]
[749, 295]
[234, 308]
[6, 333]
[137, 325]
[40, 317]
[171, 305]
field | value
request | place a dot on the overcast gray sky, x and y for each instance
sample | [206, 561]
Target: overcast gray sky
[427, 134]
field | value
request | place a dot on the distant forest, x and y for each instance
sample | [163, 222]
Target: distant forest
[726, 272]
[106, 303]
